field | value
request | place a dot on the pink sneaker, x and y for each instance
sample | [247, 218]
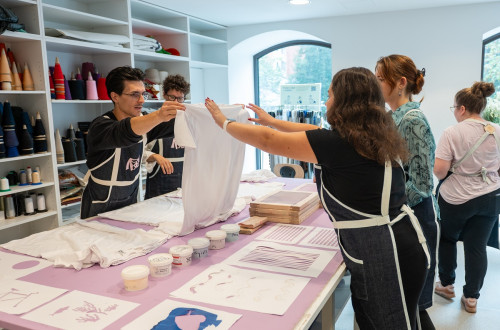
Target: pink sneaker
[447, 292]
[470, 304]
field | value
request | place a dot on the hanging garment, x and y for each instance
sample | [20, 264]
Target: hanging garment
[371, 255]
[157, 182]
[212, 168]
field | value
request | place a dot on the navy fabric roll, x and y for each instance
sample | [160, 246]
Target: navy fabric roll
[2, 145]
[39, 137]
[26, 143]
[80, 149]
[69, 150]
[9, 130]
[77, 89]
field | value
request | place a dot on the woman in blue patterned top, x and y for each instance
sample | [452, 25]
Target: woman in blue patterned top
[399, 79]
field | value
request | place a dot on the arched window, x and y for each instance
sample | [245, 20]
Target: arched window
[490, 70]
[295, 62]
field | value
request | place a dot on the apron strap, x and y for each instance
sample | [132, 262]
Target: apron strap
[386, 190]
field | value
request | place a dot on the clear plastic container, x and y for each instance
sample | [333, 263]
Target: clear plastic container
[135, 277]
[200, 247]
[160, 264]
[217, 239]
[181, 254]
[232, 231]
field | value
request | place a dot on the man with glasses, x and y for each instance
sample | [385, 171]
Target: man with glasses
[116, 142]
[165, 158]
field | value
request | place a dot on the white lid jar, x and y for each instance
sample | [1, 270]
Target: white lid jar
[160, 264]
[217, 239]
[181, 254]
[135, 277]
[200, 247]
[232, 231]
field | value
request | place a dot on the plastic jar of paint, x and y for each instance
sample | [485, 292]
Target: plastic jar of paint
[135, 277]
[160, 264]
[181, 254]
[232, 231]
[200, 247]
[217, 239]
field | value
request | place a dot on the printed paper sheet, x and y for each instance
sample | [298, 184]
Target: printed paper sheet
[322, 238]
[262, 292]
[171, 314]
[282, 258]
[81, 311]
[15, 266]
[284, 233]
[18, 297]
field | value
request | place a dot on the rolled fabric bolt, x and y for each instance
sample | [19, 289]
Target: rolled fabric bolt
[29, 209]
[19, 204]
[52, 89]
[28, 84]
[163, 76]
[9, 129]
[26, 121]
[80, 149]
[59, 81]
[96, 75]
[87, 68]
[23, 178]
[77, 89]
[67, 91]
[29, 174]
[4, 184]
[26, 143]
[59, 148]
[78, 75]
[153, 75]
[5, 73]
[40, 200]
[39, 137]
[34, 198]
[91, 88]
[2, 144]
[36, 178]
[69, 150]
[17, 84]
[71, 132]
[10, 210]
[37, 168]
[102, 91]
[13, 178]
[2, 208]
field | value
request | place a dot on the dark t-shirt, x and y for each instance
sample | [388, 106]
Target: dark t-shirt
[353, 179]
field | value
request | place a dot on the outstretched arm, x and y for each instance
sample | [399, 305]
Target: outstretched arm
[294, 145]
[266, 119]
[143, 124]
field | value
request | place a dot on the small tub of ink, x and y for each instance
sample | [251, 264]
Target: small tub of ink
[217, 239]
[232, 231]
[200, 247]
[135, 277]
[181, 254]
[160, 264]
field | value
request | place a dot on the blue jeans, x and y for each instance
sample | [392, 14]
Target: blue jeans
[474, 220]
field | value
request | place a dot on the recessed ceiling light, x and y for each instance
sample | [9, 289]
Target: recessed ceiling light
[299, 2]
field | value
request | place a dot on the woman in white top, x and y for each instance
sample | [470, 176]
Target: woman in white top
[468, 157]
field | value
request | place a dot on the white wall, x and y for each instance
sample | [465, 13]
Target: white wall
[446, 41]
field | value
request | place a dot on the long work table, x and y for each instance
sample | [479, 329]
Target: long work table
[316, 296]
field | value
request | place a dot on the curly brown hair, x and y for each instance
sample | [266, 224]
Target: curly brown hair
[176, 82]
[358, 114]
[474, 97]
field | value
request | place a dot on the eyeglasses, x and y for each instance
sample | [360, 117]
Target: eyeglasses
[452, 109]
[179, 99]
[137, 95]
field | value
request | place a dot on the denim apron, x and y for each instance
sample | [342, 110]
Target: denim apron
[376, 283]
[158, 183]
[114, 183]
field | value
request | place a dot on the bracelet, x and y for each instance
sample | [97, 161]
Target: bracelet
[226, 122]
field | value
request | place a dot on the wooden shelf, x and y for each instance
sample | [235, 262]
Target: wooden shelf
[12, 159]
[19, 189]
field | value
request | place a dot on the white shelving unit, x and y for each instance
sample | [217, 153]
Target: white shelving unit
[202, 61]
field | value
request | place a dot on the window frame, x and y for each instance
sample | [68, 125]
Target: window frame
[256, 57]
[486, 41]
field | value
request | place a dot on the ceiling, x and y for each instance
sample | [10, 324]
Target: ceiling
[243, 12]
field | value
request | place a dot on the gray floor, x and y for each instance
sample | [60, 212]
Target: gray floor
[450, 315]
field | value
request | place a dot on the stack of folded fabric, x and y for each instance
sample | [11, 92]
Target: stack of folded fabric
[146, 43]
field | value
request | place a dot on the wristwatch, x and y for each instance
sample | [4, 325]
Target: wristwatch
[224, 126]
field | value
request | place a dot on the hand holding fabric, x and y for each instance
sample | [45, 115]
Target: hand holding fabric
[214, 110]
[169, 109]
[264, 118]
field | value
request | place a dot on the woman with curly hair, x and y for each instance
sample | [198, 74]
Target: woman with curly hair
[362, 190]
